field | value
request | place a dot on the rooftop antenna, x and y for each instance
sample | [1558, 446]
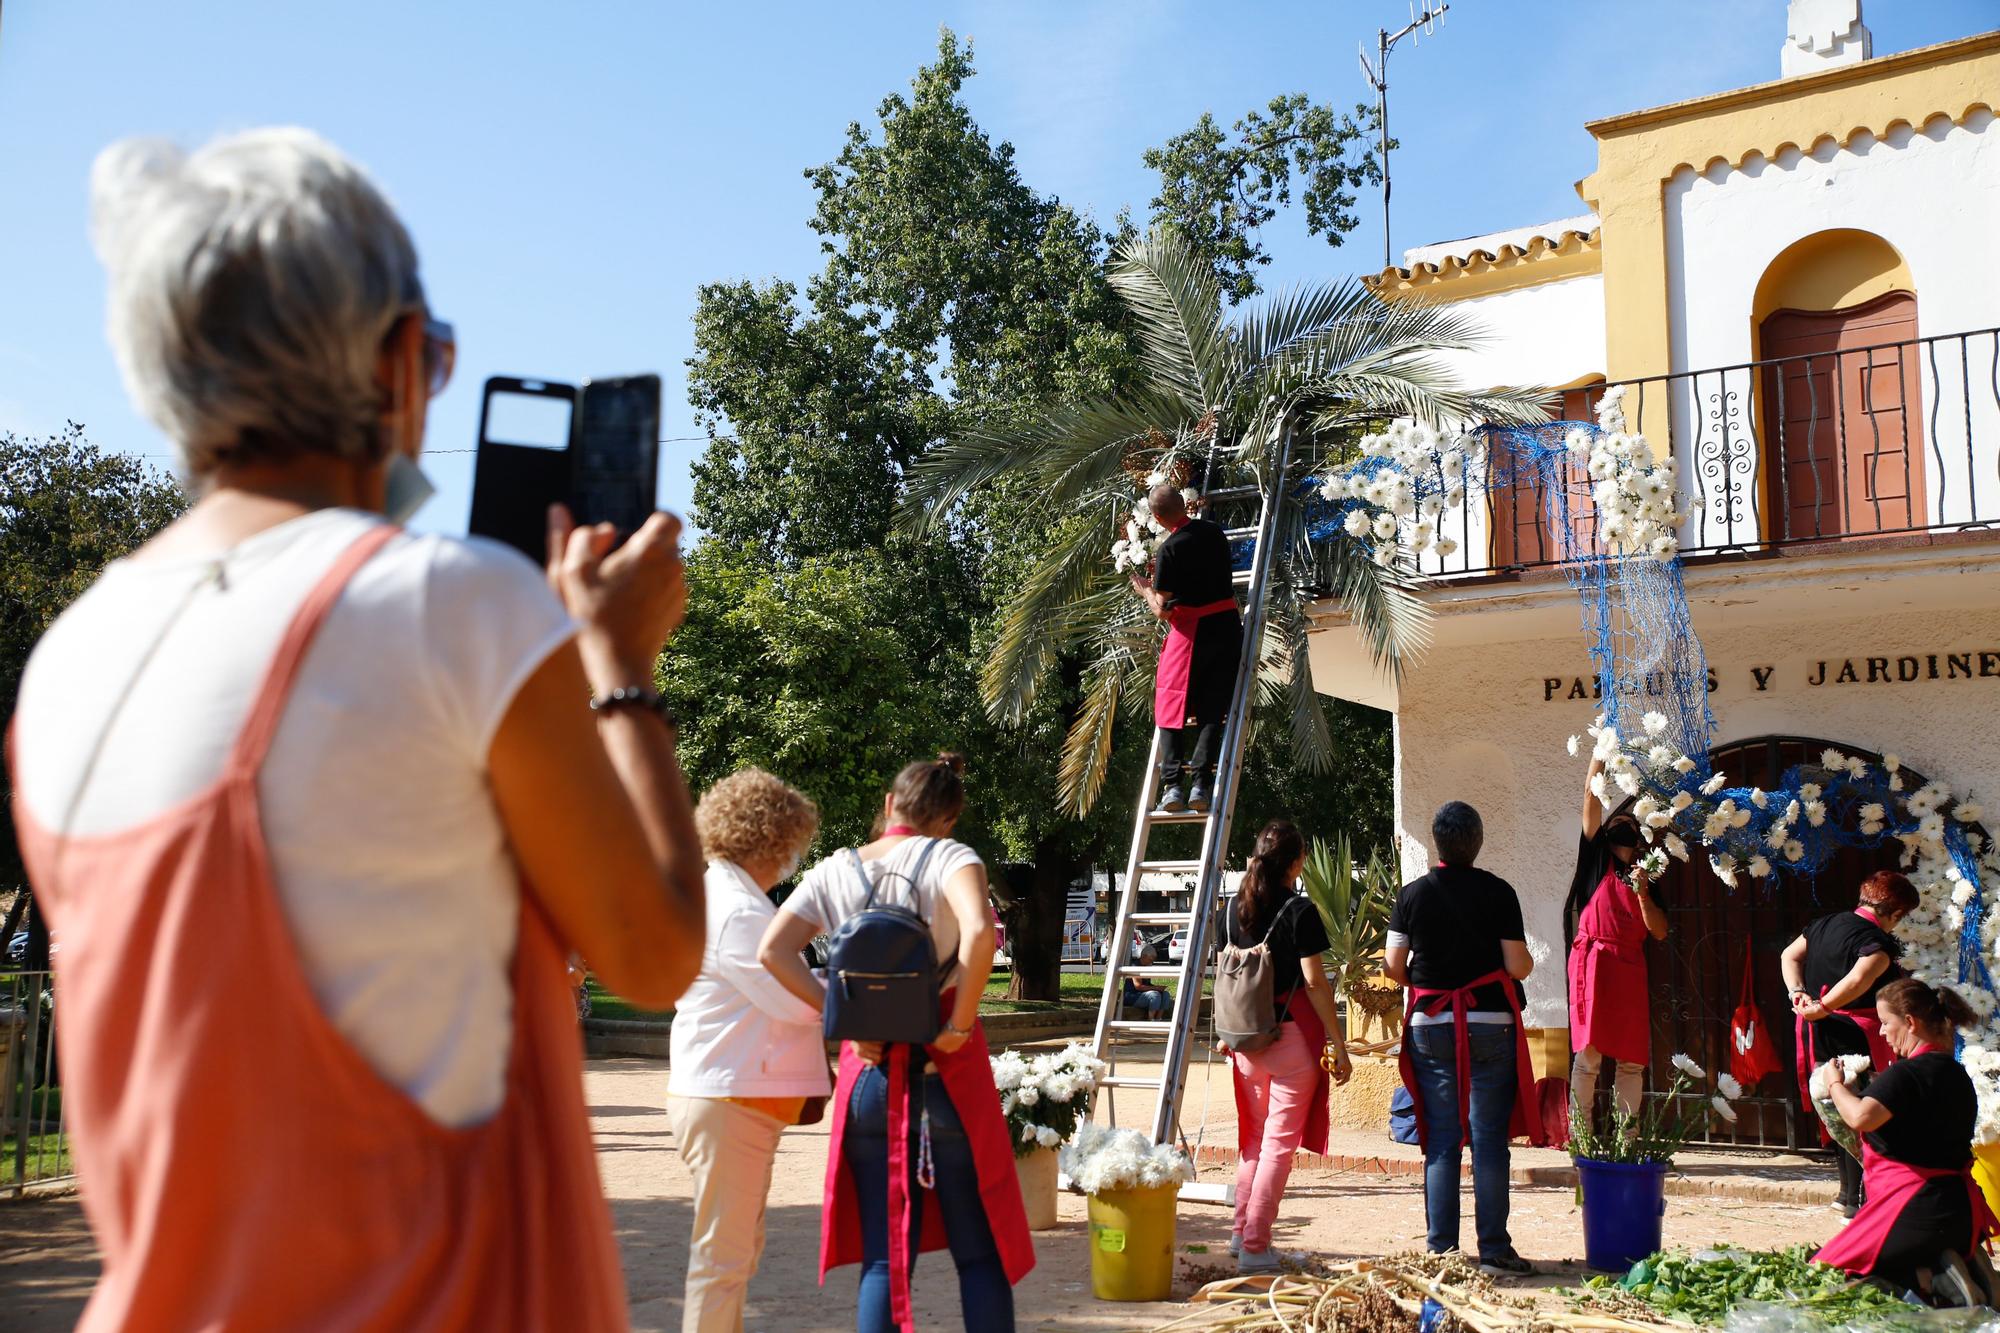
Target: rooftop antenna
[1377, 75]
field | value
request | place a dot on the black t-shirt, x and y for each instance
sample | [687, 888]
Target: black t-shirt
[1290, 931]
[1835, 943]
[1192, 566]
[1932, 1109]
[1455, 918]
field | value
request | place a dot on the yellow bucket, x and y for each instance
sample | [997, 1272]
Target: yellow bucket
[1132, 1243]
[1986, 1170]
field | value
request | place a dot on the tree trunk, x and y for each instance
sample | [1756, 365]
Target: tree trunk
[1035, 924]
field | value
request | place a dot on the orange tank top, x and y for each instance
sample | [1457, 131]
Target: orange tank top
[242, 1165]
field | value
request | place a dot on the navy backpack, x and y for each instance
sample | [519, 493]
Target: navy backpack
[881, 968]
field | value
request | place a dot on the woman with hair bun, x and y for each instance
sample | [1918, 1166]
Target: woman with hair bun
[1281, 1089]
[1925, 1216]
[952, 1124]
[1833, 971]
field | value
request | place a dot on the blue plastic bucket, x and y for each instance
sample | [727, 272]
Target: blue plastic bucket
[1623, 1205]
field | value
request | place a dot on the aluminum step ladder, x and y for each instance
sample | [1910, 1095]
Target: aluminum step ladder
[1114, 1031]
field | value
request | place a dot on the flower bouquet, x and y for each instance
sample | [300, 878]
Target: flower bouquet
[1858, 1068]
[1043, 1096]
[1101, 1160]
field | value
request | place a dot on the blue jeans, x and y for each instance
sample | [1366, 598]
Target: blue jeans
[1434, 1056]
[986, 1300]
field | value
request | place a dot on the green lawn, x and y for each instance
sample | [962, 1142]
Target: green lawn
[48, 1157]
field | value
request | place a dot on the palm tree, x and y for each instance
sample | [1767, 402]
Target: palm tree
[1330, 360]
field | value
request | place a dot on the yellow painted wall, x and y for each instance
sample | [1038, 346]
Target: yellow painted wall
[1639, 152]
[1829, 270]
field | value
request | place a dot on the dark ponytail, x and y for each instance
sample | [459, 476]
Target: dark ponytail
[1267, 879]
[1929, 1007]
[930, 791]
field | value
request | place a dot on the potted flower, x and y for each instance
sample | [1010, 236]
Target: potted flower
[1621, 1170]
[1133, 1185]
[1042, 1097]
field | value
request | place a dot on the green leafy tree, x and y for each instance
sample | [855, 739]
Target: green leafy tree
[1219, 189]
[1321, 363]
[952, 298]
[67, 510]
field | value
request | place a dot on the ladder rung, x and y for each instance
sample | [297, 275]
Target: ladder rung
[1239, 534]
[1120, 1081]
[1140, 970]
[1232, 492]
[1161, 918]
[1240, 577]
[1178, 817]
[1170, 867]
[1142, 1025]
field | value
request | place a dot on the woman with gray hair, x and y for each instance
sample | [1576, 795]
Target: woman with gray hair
[318, 806]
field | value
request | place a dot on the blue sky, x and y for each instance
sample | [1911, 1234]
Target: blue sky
[572, 172]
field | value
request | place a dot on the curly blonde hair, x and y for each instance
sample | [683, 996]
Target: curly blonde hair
[752, 814]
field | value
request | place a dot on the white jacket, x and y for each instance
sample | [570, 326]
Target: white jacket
[737, 1032]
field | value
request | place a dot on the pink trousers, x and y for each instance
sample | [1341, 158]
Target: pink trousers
[1279, 1081]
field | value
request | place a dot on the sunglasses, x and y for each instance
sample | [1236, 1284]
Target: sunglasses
[440, 353]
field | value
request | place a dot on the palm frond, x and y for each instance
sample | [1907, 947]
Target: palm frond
[1086, 754]
[1312, 740]
[1177, 311]
[1392, 621]
[1037, 623]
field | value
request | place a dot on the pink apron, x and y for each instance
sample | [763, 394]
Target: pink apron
[1170, 682]
[242, 1165]
[1524, 1122]
[968, 1080]
[1889, 1186]
[1319, 1116]
[1608, 1002]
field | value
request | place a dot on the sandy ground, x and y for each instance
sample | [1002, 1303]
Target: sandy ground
[47, 1262]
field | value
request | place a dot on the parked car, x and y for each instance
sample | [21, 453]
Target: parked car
[1177, 944]
[1001, 957]
[1134, 947]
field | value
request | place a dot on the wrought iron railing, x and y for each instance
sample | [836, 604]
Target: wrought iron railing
[1845, 444]
[34, 1146]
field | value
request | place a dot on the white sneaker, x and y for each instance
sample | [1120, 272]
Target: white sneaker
[1235, 1243]
[1249, 1262]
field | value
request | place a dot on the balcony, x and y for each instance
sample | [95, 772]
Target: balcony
[1850, 444]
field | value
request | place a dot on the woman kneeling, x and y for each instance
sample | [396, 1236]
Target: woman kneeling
[1924, 1215]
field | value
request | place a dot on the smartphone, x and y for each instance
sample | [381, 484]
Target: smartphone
[595, 448]
[614, 453]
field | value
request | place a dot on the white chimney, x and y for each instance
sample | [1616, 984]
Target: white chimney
[1820, 34]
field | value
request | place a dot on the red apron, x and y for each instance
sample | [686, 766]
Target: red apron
[1170, 683]
[1889, 1185]
[242, 1164]
[1879, 1054]
[1524, 1122]
[1319, 1117]
[968, 1079]
[1608, 1002]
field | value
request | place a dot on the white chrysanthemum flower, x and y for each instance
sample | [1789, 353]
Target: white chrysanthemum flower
[1759, 798]
[1809, 791]
[1967, 812]
[1660, 756]
[1724, 867]
[1832, 759]
[1758, 867]
[1681, 801]
[1385, 527]
[1727, 1085]
[1794, 850]
[1715, 784]
[1445, 546]
[1684, 765]
[1655, 723]
[1740, 819]
[1666, 548]
[1678, 848]
[1047, 1136]
[1723, 1109]
[1028, 1095]
[1628, 781]
[1685, 1063]
[1815, 813]
[1574, 743]
[1891, 762]
[1356, 523]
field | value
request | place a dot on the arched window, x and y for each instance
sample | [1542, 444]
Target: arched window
[1836, 323]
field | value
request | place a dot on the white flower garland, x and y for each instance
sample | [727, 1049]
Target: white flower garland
[1639, 504]
[1101, 1159]
[1418, 476]
[1752, 839]
[1143, 533]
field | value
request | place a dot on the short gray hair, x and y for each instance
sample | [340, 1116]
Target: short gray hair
[251, 286]
[1457, 833]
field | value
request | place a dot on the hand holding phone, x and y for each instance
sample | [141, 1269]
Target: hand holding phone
[629, 598]
[594, 450]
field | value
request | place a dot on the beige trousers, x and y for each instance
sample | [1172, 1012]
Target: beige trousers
[1628, 1080]
[728, 1150]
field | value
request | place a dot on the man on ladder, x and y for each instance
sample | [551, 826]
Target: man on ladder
[1192, 591]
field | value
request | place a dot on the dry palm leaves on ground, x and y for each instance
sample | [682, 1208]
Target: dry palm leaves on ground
[1389, 1296]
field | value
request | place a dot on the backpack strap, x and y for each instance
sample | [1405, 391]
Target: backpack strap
[917, 870]
[854, 855]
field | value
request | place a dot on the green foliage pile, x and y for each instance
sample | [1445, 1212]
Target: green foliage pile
[1703, 1290]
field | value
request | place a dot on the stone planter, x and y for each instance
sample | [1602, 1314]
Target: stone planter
[1037, 1172]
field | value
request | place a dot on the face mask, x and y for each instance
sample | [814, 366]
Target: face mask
[406, 489]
